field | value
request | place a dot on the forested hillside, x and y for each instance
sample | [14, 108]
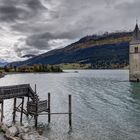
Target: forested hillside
[109, 50]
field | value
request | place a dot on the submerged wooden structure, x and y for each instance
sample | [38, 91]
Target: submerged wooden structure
[34, 108]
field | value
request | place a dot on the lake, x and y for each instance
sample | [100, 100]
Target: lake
[105, 105]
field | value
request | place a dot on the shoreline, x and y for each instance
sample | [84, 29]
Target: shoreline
[20, 132]
[65, 71]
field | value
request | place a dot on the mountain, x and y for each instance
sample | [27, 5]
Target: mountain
[3, 63]
[110, 50]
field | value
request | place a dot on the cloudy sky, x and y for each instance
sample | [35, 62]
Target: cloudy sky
[36, 26]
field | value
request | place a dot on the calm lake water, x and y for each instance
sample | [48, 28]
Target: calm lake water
[106, 106]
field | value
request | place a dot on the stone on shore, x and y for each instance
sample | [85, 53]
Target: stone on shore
[18, 132]
[32, 136]
[12, 131]
[14, 138]
[4, 127]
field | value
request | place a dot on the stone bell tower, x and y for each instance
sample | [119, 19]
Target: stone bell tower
[134, 56]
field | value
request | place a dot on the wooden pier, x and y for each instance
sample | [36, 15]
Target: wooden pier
[34, 108]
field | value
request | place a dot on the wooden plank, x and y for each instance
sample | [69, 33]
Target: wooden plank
[14, 110]
[70, 114]
[36, 115]
[15, 86]
[14, 91]
[21, 115]
[49, 108]
[7, 92]
[42, 107]
[2, 114]
[65, 113]
[9, 96]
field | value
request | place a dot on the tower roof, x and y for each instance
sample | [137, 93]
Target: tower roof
[136, 35]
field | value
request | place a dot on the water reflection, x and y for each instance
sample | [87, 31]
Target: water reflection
[135, 90]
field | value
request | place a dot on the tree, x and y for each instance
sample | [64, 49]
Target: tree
[6, 69]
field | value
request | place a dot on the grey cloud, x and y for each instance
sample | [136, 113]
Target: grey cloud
[128, 12]
[42, 21]
[22, 49]
[129, 8]
[78, 17]
[41, 41]
[8, 13]
[19, 10]
[18, 48]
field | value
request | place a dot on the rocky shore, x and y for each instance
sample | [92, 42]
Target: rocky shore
[18, 132]
[2, 74]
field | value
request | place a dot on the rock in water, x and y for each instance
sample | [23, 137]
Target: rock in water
[25, 137]
[4, 127]
[12, 131]
[14, 138]
[17, 132]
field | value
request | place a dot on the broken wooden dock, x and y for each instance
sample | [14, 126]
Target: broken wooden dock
[35, 107]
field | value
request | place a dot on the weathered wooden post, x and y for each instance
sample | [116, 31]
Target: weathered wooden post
[36, 114]
[2, 111]
[49, 108]
[35, 88]
[21, 115]
[28, 99]
[14, 110]
[70, 112]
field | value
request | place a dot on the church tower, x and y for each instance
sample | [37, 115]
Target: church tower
[134, 56]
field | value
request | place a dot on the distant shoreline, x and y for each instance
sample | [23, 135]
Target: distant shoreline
[31, 72]
[64, 71]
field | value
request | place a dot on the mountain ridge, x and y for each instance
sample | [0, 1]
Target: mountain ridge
[102, 51]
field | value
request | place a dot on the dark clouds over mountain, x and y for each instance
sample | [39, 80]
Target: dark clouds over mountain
[36, 26]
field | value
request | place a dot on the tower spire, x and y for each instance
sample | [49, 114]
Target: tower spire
[136, 21]
[136, 33]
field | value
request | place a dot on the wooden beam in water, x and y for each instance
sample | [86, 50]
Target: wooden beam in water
[66, 113]
[35, 88]
[21, 115]
[2, 104]
[28, 99]
[49, 108]
[70, 112]
[14, 110]
[36, 115]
